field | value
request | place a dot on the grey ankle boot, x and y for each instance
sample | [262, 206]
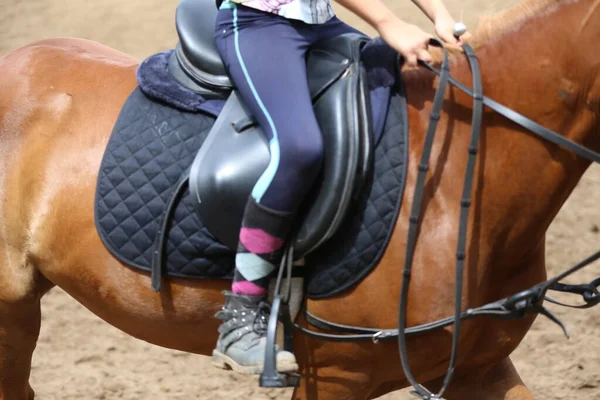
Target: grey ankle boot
[243, 337]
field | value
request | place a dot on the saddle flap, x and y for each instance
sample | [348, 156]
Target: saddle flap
[339, 119]
[225, 171]
[324, 68]
[230, 162]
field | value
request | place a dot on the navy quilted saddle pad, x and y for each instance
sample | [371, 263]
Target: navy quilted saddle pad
[151, 146]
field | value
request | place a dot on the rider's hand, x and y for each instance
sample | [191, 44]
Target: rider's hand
[409, 40]
[444, 27]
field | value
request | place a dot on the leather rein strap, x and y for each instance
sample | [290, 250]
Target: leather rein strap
[414, 220]
[464, 217]
[513, 307]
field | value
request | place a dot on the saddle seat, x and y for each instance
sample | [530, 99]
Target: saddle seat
[236, 152]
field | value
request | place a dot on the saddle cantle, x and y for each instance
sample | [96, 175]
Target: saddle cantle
[196, 62]
[236, 152]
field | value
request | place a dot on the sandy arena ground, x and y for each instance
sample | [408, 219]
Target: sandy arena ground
[81, 357]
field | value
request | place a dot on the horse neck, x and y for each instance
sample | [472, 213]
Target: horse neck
[541, 67]
[522, 180]
[549, 84]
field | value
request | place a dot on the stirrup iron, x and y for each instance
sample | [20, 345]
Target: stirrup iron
[280, 311]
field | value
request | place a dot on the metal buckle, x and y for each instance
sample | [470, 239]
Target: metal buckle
[429, 397]
[376, 337]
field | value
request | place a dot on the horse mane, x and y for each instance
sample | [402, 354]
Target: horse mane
[494, 26]
[491, 28]
[512, 19]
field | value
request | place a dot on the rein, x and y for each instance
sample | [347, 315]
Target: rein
[513, 307]
[465, 204]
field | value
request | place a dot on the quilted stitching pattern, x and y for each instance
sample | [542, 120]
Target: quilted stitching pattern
[357, 247]
[153, 144]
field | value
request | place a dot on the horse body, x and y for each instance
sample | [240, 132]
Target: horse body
[60, 99]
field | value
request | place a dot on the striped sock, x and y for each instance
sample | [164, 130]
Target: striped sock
[260, 248]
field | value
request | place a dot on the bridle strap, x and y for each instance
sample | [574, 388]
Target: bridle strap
[589, 291]
[527, 123]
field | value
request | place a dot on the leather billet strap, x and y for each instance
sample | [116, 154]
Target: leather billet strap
[160, 240]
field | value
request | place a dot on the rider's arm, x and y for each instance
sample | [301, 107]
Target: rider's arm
[434, 9]
[409, 40]
[444, 23]
[374, 12]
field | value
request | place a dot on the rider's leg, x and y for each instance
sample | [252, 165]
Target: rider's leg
[265, 56]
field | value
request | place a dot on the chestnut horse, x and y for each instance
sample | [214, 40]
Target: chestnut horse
[60, 98]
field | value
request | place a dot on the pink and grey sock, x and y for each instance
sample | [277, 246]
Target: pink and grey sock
[262, 239]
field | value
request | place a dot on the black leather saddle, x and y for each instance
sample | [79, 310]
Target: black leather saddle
[236, 152]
